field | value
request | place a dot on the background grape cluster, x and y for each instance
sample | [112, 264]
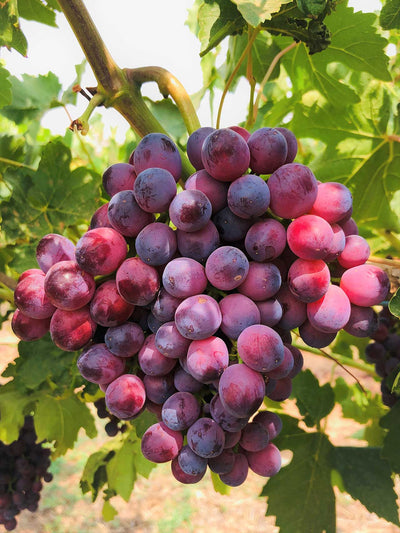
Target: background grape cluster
[183, 300]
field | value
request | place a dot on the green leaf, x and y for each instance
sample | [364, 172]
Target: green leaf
[218, 485]
[367, 478]
[14, 405]
[32, 97]
[361, 406]
[389, 17]
[11, 35]
[108, 512]
[36, 10]
[50, 199]
[59, 419]
[301, 495]
[94, 475]
[169, 116]
[346, 344]
[218, 19]
[313, 401]
[312, 7]
[394, 304]
[391, 443]
[5, 87]
[254, 13]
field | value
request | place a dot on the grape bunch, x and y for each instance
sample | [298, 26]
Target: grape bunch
[384, 353]
[113, 426]
[183, 300]
[23, 465]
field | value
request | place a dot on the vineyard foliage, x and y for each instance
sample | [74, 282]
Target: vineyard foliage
[330, 80]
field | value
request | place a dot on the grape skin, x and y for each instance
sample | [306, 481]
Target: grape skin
[98, 365]
[331, 312]
[161, 444]
[125, 396]
[124, 340]
[156, 244]
[27, 328]
[310, 237]
[107, 307]
[198, 317]
[151, 361]
[262, 281]
[195, 144]
[184, 277]
[126, 216]
[137, 282]
[118, 177]
[198, 245]
[31, 298]
[190, 210]
[158, 150]
[266, 462]
[265, 240]
[216, 191]
[53, 248]
[248, 196]
[238, 475]
[309, 280]
[238, 312]
[100, 251]
[72, 330]
[268, 150]
[227, 267]
[333, 201]
[207, 359]
[260, 348]
[154, 190]
[206, 438]
[241, 390]
[180, 411]
[170, 342]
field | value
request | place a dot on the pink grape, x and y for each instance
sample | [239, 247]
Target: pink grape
[107, 307]
[356, 252]
[100, 251]
[266, 462]
[161, 444]
[260, 348]
[262, 281]
[27, 328]
[309, 280]
[207, 359]
[125, 396]
[310, 237]
[31, 298]
[365, 285]
[72, 330]
[137, 282]
[333, 201]
[53, 248]
[331, 312]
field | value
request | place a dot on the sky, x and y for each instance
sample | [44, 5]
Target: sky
[135, 37]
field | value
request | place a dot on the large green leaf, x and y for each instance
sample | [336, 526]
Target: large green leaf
[390, 15]
[367, 478]
[254, 13]
[359, 405]
[50, 199]
[313, 401]
[301, 495]
[38, 11]
[14, 405]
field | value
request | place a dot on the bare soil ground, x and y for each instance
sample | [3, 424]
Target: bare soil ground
[162, 505]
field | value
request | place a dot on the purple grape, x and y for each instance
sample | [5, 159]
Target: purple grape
[156, 244]
[270, 312]
[107, 307]
[225, 155]
[363, 321]
[159, 388]
[119, 177]
[125, 396]
[153, 324]
[297, 359]
[241, 390]
[333, 202]
[281, 391]
[164, 306]
[100, 251]
[268, 150]
[237, 476]
[31, 272]
[241, 131]
[286, 366]
[184, 382]
[271, 421]
[227, 267]
[158, 150]
[126, 216]
[223, 463]
[216, 191]
[206, 438]
[170, 342]
[231, 228]
[260, 348]
[238, 312]
[31, 298]
[137, 282]
[228, 422]
[180, 411]
[181, 476]
[265, 240]
[98, 365]
[349, 227]
[294, 312]
[53, 248]
[190, 210]
[314, 337]
[356, 252]
[151, 361]
[291, 142]
[254, 437]
[331, 312]
[207, 359]
[191, 463]
[68, 287]
[198, 317]
[232, 438]
[248, 196]
[262, 281]
[124, 340]
[337, 244]
[199, 244]
[195, 144]
[184, 277]
[154, 190]
[293, 188]
[27, 328]
[161, 444]
[309, 280]
[266, 462]
[310, 237]
[100, 218]
[72, 330]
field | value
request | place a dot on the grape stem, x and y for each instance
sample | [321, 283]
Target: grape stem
[15, 163]
[82, 123]
[8, 281]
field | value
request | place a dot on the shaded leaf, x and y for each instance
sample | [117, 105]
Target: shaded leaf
[361, 406]
[5, 87]
[389, 17]
[14, 405]
[38, 11]
[313, 401]
[391, 444]
[394, 304]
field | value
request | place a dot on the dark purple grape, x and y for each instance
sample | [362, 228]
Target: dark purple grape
[158, 150]
[190, 210]
[52, 249]
[349, 227]
[281, 391]
[271, 421]
[254, 437]
[294, 312]
[270, 312]
[223, 463]
[181, 476]
[298, 361]
[190, 462]
[265, 240]
[100, 251]
[170, 342]
[184, 382]
[216, 191]
[228, 422]
[164, 306]
[126, 216]
[262, 281]
[161, 444]
[237, 476]
[231, 228]
[314, 337]
[119, 177]
[111, 428]
[195, 144]
[124, 340]
[159, 388]
[248, 196]
[125, 396]
[156, 244]
[180, 411]
[100, 218]
[199, 244]
[107, 307]
[291, 142]
[363, 321]
[98, 365]
[206, 438]
[154, 190]
[268, 150]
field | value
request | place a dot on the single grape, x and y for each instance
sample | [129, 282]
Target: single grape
[286, 366]
[164, 306]
[281, 391]
[159, 388]
[100, 218]
[190, 210]
[184, 277]
[363, 321]
[337, 244]
[27, 328]
[365, 285]
[260, 348]
[207, 359]
[161, 444]
[184, 382]
[170, 342]
[154, 190]
[223, 463]
[119, 177]
[125, 396]
[349, 227]
[331, 312]
[265, 240]
[181, 476]
[98, 365]
[206, 438]
[153, 362]
[72, 330]
[180, 411]
[31, 298]
[156, 244]
[238, 475]
[310, 237]
[158, 150]
[107, 307]
[309, 280]
[241, 390]
[227, 267]
[291, 142]
[333, 201]
[238, 312]
[294, 312]
[262, 281]
[231, 228]
[124, 340]
[53, 248]
[229, 423]
[271, 421]
[270, 312]
[198, 317]
[100, 251]
[248, 196]
[314, 337]
[241, 131]
[137, 282]
[126, 216]
[195, 144]
[199, 244]
[254, 437]
[268, 150]
[266, 462]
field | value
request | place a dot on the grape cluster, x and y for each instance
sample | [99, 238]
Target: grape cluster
[113, 426]
[384, 353]
[23, 466]
[184, 300]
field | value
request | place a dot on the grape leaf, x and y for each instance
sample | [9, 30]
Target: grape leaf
[32, 97]
[121, 473]
[218, 485]
[394, 304]
[11, 35]
[36, 10]
[313, 401]
[301, 495]
[59, 419]
[391, 444]
[94, 475]
[256, 12]
[312, 7]
[361, 406]
[346, 344]
[367, 478]
[169, 116]
[41, 202]
[5, 87]
[108, 512]
[389, 17]
[14, 405]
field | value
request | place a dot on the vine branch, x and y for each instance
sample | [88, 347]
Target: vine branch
[8, 281]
